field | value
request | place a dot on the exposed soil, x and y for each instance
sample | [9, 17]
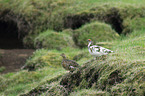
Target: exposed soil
[14, 59]
[12, 30]
[112, 17]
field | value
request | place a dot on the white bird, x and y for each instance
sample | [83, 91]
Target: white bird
[96, 50]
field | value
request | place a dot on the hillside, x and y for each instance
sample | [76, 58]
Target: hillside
[53, 27]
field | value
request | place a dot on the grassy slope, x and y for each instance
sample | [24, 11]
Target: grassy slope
[128, 57]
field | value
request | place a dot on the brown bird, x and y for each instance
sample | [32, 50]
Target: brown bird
[69, 64]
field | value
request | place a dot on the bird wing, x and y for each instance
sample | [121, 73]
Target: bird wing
[105, 50]
[99, 49]
[95, 48]
[73, 63]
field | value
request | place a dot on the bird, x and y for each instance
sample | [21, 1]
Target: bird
[69, 65]
[96, 50]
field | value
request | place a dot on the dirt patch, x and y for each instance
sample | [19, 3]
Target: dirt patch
[14, 59]
[13, 28]
[10, 43]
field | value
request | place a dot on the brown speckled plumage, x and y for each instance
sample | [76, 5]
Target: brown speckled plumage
[69, 64]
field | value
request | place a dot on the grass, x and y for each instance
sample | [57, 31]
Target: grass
[128, 57]
[36, 16]
[89, 92]
[96, 31]
[61, 40]
[126, 64]
[2, 69]
[25, 81]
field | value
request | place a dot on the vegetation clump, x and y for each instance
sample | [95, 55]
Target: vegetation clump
[135, 24]
[43, 58]
[107, 78]
[115, 16]
[53, 40]
[2, 69]
[96, 31]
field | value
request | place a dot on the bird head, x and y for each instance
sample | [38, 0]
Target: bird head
[89, 40]
[63, 55]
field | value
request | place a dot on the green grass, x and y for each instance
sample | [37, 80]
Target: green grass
[96, 31]
[128, 57]
[44, 58]
[25, 81]
[46, 40]
[47, 14]
[127, 60]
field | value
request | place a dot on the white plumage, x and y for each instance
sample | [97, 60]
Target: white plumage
[97, 51]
